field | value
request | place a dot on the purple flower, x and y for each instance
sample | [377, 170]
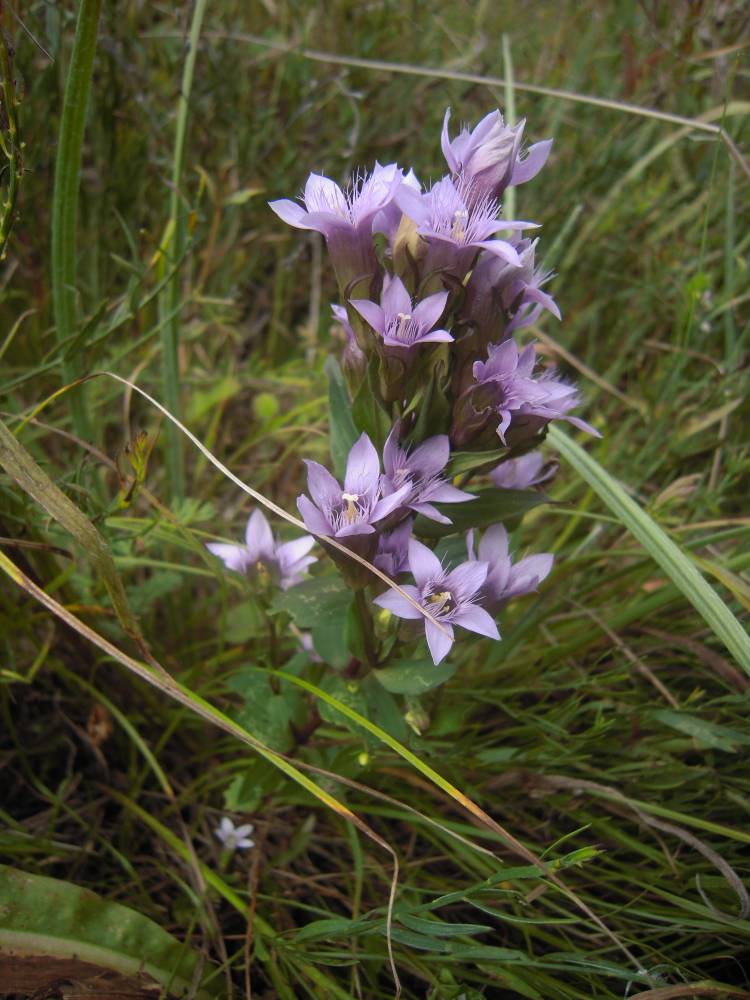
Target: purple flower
[262, 555]
[420, 470]
[522, 472]
[501, 297]
[342, 513]
[398, 322]
[505, 580]
[346, 218]
[447, 595]
[505, 384]
[393, 549]
[455, 225]
[488, 157]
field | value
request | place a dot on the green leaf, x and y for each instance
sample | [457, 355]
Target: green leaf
[673, 561]
[440, 928]
[492, 506]
[265, 712]
[413, 676]
[42, 916]
[466, 461]
[367, 413]
[708, 733]
[314, 602]
[343, 430]
[330, 642]
[243, 621]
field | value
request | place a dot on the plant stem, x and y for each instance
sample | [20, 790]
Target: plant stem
[365, 621]
[11, 146]
[65, 199]
[174, 251]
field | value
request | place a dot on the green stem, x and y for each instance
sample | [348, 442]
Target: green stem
[175, 250]
[65, 198]
[365, 621]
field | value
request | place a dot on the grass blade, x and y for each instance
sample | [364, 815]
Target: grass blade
[675, 563]
[65, 198]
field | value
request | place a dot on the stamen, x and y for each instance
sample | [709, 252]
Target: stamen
[441, 601]
[403, 321]
[351, 513]
[460, 218]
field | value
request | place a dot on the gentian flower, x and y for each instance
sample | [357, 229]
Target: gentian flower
[401, 324]
[488, 157]
[501, 297]
[353, 510]
[262, 556]
[234, 837]
[449, 596]
[522, 472]
[505, 384]
[421, 469]
[392, 555]
[455, 226]
[504, 579]
[346, 218]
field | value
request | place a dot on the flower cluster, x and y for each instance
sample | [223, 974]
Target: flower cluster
[435, 285]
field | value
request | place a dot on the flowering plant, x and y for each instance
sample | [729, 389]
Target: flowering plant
[434, 389]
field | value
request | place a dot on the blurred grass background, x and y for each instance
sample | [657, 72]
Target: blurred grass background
[609, 717]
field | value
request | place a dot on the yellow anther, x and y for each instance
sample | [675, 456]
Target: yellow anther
[350, 499]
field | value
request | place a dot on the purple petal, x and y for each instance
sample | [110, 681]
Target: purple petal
[323, 488]
[465, 580]
[324, 195]
[355, 528]
[371, 313]
[413, 204]
[501, 249]
[476, 619]
[362, 468]
[388, 504]
[493, 545]
[439, 643]
[392, 601]
[258, 536]
[431, 457]
[234, 557]
[528, 573]
[445, 493]
[395, 298]
[391, 450]
[530, 166]
[436, 337]
[427, 510]
[291, 213]
[445, 144]
[423, 563]
[314, 520]
[429, 310]
[537, 295]
[291, 552]
[582, 426]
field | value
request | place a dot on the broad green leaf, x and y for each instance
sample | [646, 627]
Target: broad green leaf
[673, 561]
[330, 641]
[265, 712]
[42, 916]
[314, 602]
[413, 676]
[492, 506]
[343, 430]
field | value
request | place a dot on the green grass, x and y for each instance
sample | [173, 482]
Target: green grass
[607, 733]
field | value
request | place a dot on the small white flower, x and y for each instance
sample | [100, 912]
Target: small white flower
[234, 837]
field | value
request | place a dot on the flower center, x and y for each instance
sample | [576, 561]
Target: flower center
[460, 218]
[441, 601]
[351, 513]
[403, 321]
